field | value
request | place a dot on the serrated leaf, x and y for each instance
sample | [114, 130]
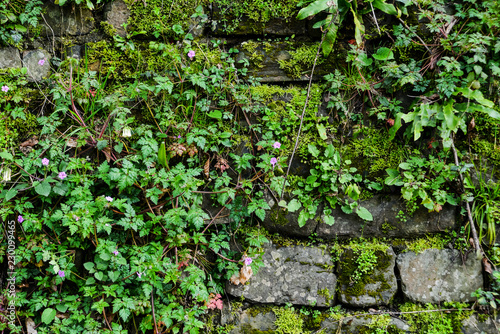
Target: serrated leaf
[10, 194]
[6, 155]
[329, 220]
[294, 205]
[363, 213]
[48, 315]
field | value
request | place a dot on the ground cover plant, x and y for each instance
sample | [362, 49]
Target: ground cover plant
[110, 161]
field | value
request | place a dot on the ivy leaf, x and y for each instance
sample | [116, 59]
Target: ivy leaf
[48, 315]
[363, 213]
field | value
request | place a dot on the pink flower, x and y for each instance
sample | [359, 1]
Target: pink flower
[62, 175]
[218, 304]
[61, 273]
[41, 62]
[274, 161]
[191, 54]
[248, 260]
[139, 274]
[5, 89]
[116, 252]
[20, 219]
[109, 199]
[390, 121]
[277, 145]
[45, 161]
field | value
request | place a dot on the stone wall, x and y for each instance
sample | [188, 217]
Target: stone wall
[301, 267]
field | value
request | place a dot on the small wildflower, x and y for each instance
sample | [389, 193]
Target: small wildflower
[116, 252]
[179, 137]
[20, 219]
[109, 199]
[277, 145]
[76, 217]
[248, 261]
[61, 273]
[45, 161]
[390, 121]
[6, 174]
[139, 274]
[5, 89]
[41, 62]
[126, 132]
[62, 175]
[92, 92]
[191, 54]
[274, 161]
[107, 225]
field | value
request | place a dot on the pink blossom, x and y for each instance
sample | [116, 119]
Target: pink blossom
[62, 175]
[109, 199]
[116, 252]
[45, 161]
[5, 89]
[61, 273]
[41, 62]
[274, 161]
[139, 274]
[191, 54]
[277, 145]
[20, 219]
[248, 261]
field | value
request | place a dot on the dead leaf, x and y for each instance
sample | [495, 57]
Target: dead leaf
[487, 266]
[71, 142]
[206, 168]
[30, 326]
[243, 276]
[30, 142]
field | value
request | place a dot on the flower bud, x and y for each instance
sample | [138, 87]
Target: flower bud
[126, 132]
[6, 174]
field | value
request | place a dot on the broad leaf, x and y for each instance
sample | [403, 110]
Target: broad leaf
[363, 213]
[43, 188]
[384, 54]
[316, 7]
[385, 7]
[48, 315]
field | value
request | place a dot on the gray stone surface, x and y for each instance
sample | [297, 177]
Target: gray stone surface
[9, 57]
[116, 13]
[385, 221]
[67, 20]
[248, 321]
[435, 276]
[297, 275]
[31, 59]
[359, 324]
[473, 325]
[280, 220]
[380, 285]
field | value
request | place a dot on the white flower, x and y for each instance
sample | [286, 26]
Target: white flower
[126, 132]
[6, 174]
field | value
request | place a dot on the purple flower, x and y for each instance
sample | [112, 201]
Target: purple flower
[274, 161]
[191, 54]
[248, 260]
[62, 175]
[45, 161]
[5, 89]
[139, 274]
[179, 137]
[116, 252]
[20, 219]
[277, 145]
[61, 273]
[109, 199]
[41, 62]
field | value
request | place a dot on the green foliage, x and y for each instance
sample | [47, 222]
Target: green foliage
[17, 17]
[288, 321]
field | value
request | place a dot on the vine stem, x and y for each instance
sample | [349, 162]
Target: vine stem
[477, 246]
[305, 104]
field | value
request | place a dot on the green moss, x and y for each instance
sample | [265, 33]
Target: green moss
[421, 244]
[301, 60]
[326, 293]
[435, 322]
[108, 29]
[488, 149]
[288, 321]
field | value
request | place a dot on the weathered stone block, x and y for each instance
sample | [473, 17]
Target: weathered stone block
[297, 275]
[354, 325]
[249, 320]
[9, 57]
[473, 325]
[116, 13]
[374, 288]
[386, 221]
[38, 64]
[67, 20]
[439, 276]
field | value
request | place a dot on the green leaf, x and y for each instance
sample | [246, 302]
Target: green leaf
[363, 213]
[6, 155]
[450, 118]
[329, 41]
[313, 150]
[359, 30]
[314, 8]
[89, 265]
[43, 188]
[48, 315]
[162, 155]
[322, 131]
[10, 194]
[294, 205]
[328, 220]
[385, 7]
[303, 217]
[384, 54]
[330, 151]
[215, 114]
[394, 179]
[364, 60]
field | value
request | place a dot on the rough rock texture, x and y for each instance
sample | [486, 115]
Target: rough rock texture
[473, 325]
[116, 13]
[248, 321]
[31, 60]
[66, 20]
[359, 324]
[280, 220]
[377, 288]
[9, 57]
[385, 223]
[438, 275]
[297, 275]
